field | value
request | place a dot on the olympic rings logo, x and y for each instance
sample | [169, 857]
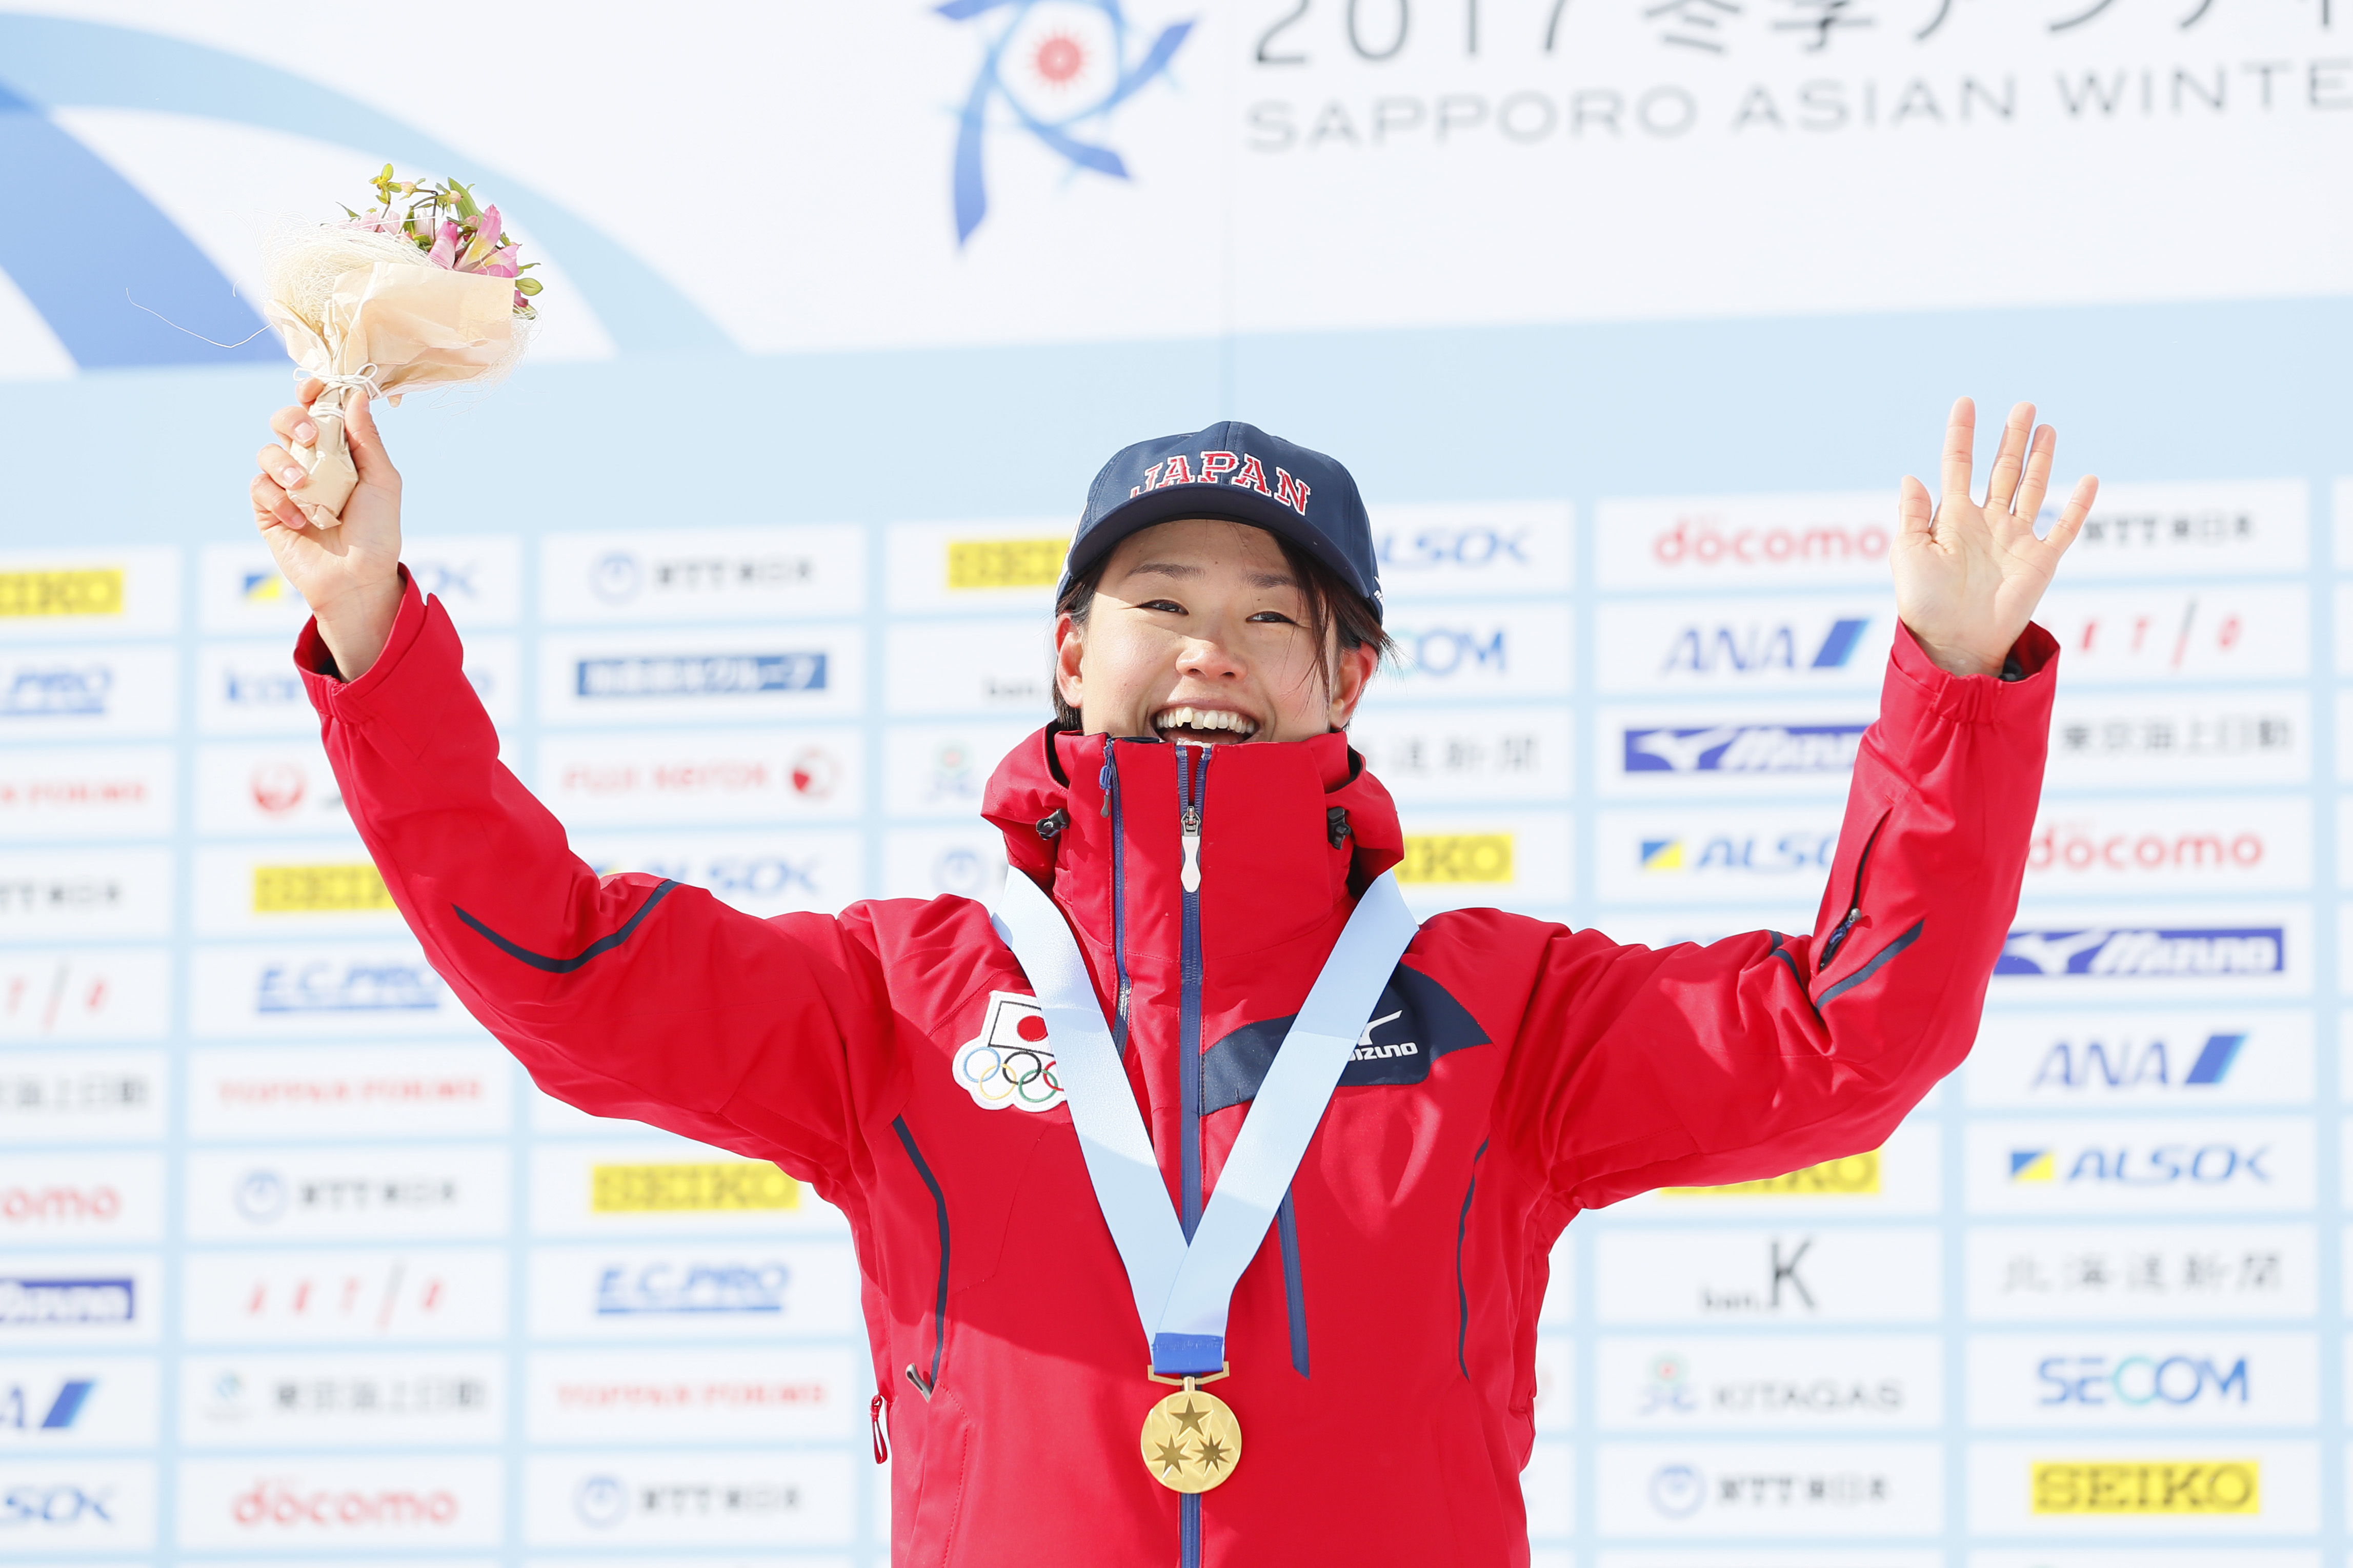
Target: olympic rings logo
[1009, 1065]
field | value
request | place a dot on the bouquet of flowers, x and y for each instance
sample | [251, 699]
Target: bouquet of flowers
[422, 290]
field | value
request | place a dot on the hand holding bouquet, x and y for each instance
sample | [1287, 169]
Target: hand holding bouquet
[422, 294]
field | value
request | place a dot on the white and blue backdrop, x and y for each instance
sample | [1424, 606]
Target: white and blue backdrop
[1628, 315]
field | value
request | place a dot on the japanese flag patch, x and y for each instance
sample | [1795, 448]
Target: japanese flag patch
[1009, 1065]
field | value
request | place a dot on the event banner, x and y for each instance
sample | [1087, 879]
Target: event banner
[1626, 314]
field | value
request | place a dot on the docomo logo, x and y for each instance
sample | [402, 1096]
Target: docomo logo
[61, 1204]
[2072, 847]
[1702, 540]
[282, 1503]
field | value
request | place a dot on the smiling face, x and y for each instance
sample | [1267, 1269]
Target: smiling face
[1199, 631]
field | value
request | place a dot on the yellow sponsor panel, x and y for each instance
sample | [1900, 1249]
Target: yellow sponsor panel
[1856, 1176]
[1456, 858]
[2108, 1487]
[316, 890]
[74, 591]
[691, 1188]
[1006, 563]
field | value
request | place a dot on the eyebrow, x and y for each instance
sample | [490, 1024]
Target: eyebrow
[1181, 570]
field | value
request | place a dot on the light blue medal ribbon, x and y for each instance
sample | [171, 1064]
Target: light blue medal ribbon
[1182, 1292]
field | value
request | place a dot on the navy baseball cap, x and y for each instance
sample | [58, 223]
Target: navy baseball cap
[1236, 471]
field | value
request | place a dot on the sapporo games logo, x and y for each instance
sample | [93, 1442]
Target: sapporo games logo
[1055, 70]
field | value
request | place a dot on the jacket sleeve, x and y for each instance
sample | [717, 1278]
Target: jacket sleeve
[1763, 1054]
[625, 996]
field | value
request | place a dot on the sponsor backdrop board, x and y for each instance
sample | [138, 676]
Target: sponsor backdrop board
[1626, 315]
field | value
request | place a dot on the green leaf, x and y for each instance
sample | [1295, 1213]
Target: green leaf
[527, 286]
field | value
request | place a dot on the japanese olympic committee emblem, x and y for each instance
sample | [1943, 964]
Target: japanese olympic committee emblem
[1008, 1064]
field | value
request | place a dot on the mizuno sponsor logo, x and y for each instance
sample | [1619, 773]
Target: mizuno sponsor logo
[2145, 950]
[1745, 749]
[699, 675]
[28, 1301]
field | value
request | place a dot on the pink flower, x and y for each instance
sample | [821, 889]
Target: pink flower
[445, 250]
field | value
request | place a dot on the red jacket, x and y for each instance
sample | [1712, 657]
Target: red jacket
[1382, 1341]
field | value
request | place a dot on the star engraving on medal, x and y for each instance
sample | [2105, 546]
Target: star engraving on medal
[1170, 1456]
[1190, 1419]
[1213, 1453]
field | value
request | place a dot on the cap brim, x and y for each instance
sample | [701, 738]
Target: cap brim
[1227, 503]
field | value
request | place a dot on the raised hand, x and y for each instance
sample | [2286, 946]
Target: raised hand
[1968, 576]
[348, 574]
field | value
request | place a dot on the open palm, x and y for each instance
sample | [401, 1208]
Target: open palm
[1969, 576]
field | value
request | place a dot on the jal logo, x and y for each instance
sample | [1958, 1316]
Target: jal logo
[1756, 647]
[2139, 1381]
[1008, 1066]
[2194, 952]
[815, 772]
[321, 985]
[279, 788]
[699, 675]
[39, 1409]
[1449, 653]
[2123, 1063]
[1745, 749]
[1751, 854]
[2216, 1165]
[1052, 72]
[57, 691]
[36, 1301]
[1476, 549]
[692, 1289]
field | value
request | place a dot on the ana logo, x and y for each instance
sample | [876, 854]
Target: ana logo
[2115, 951]
[1055, 70]
[1008, 1063]
[23, 1411]
[2128, 1064]
[2164, 1165]
[1751, 649]
[1745, 749]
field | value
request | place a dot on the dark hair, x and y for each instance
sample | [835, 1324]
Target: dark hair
[1331, 604]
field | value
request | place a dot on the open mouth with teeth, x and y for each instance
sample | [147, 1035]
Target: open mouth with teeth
[1203, 726]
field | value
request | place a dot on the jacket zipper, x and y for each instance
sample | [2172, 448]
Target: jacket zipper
[1854, 900]
[1192, 791]
[922, 1384]
[1462, 1291]
[1113, 809]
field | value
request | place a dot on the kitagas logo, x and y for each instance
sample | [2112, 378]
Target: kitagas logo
[1054, 70]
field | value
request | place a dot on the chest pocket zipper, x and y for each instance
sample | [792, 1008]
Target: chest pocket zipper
[1837, 939]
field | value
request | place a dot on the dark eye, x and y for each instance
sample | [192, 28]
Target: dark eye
[1274, 617]
[1168, 607]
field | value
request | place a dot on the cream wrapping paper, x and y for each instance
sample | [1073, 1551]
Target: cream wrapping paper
[388, 327]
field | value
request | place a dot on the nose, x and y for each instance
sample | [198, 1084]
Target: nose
[1208, 658]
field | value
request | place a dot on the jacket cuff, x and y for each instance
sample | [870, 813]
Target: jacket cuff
[1980, 699]
[324, 684]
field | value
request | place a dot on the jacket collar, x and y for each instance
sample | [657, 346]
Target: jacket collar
[1268, 854]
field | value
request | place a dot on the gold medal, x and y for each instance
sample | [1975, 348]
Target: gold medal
[1191, 1440]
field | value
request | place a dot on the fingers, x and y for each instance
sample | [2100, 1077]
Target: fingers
[1960, 443]
[368, 456]
[2001, 484]
[1915, 510]
[277, 463]
[2071, 516]
[273, 508]
[292, 423]
[2028, 505]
